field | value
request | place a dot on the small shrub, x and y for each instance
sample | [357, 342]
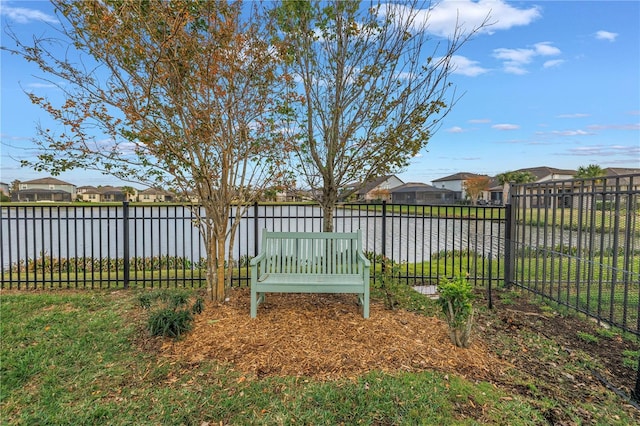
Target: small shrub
[587, 337]
[198, 306]
[387, 282]
[630, 358]
[169, 322]
[455, 296]
[174, 316]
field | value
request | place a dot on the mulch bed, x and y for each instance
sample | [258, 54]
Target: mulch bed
[325, 337]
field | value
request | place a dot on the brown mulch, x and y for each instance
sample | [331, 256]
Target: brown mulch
[324, 336]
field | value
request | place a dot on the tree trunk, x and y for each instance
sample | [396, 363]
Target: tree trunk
[328, 204]
[220, 281]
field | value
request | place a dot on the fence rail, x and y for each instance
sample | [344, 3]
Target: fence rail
[577, 242]
[71, 246]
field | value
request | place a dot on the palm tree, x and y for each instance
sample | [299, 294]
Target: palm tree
[590, 171]
[519, 176]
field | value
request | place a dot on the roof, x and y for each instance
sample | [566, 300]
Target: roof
[418, 187]
[618, 171]
[458, 176]
[542, 171]
[154, 191]
[374, 183]
[47, 181]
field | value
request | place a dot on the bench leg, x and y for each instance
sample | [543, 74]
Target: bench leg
[256, 299]
[363, 300]
[254, 303]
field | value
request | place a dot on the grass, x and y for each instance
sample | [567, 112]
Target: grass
[72, 358]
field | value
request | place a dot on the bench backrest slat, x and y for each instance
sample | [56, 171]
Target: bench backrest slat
[312, 253]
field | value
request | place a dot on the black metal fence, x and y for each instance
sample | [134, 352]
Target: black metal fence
[87, 246]
[577, 242]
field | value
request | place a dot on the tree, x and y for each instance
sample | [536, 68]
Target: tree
[373, 90]
[186, 95]
[14, 187]
[475, 186]
[128, 192]
[590, 171]
[519, 176]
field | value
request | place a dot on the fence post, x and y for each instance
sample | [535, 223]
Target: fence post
[508, 245]
[125, 239]
[489, 294]
[255, 229]
[635, 393]
[384, 229]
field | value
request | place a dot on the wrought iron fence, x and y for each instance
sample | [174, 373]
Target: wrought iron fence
[577, 242]
[86, 246]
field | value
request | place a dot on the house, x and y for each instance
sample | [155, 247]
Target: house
[89, 193]
[420, 194]
[541, 174]
[593, 192]
[4, 189]
[45, 189]
[455, 183]
[378, 189]
[105, 194]
[113, 194]
[620, 176]
[154, 195]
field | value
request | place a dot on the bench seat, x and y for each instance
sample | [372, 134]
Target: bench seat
[310, 262]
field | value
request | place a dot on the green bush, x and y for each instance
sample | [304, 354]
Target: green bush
[174, 317]
[169, 322]
[455, 296]
[386, 280]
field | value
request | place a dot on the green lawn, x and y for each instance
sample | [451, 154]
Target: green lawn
[72, 358]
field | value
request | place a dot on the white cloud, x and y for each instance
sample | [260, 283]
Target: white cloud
[571, 132]
[606, 35]
[22, 15]
[546, 49]
[465, 66]
[456, 129]
[505, 126]
[443, 17]
[520, 56]
[633, 126]
[576, 115]
[605, 150]
[516, 59]
[553, 63]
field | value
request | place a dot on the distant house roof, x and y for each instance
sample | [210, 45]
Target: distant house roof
[155, 191]
[619, 171]
[417, 186]
[458, 176]
[374, 183]
[46, 181]
[542, 171]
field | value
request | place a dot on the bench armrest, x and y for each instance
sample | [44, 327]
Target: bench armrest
[258, 258]
[364, 259]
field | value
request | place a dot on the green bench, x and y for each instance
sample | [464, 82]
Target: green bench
[310, 262]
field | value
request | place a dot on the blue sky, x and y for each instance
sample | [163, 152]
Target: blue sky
[550, 83]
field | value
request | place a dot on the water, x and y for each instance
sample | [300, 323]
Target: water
[161, 230]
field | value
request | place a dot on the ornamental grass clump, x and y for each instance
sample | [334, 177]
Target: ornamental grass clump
[455, 296]
[175, 315]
